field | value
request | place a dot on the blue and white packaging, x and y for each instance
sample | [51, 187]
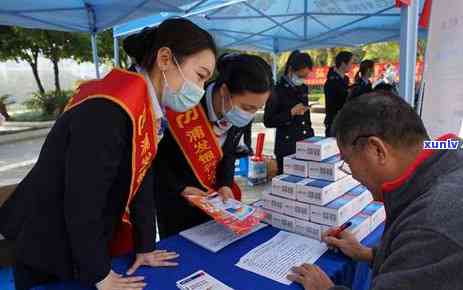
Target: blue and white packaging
[277, 204]
[360, 227]
[321, 192]
[283, 222]
[298, 210]
[316, 148]
[257, 171]
[294, 166]
[334, 213]
[286, 185]
[308, 229]
[362, 198]
[327, 169]
[376, 212]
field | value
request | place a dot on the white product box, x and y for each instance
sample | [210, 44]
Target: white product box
[268, 215]
[283, 222]
[327, 169]
[377, 214]
[277, 204]
[257, 171]
[316, 148]
[321, 192]
[334, 213]
[298, 210]
[286, 185]
[362, 198]
[360, 227]
[294, 166]
[308, 229]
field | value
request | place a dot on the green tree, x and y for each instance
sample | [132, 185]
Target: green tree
[21, 44]
[58, 45]
[382, 52]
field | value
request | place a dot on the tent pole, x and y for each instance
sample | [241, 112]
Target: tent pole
[116, 52]
[95, 55]
[274, 66]
[408, 49]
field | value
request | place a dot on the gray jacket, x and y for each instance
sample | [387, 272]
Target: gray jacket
[422, 245]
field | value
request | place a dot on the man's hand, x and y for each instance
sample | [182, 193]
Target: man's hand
[225, 193]
[348, 244]
[154, 259]
[299, 110]
[115, 281]
[311, 277]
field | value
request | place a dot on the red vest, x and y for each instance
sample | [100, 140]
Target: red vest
[194, 134]
[130, 92]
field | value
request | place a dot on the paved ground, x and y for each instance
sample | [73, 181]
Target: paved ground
[16, 159]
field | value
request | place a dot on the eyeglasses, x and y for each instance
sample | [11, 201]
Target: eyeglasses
[344, 167]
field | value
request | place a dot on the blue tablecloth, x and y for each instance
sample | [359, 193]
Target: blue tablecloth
[222, 265]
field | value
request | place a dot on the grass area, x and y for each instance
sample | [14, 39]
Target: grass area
[320, 97]
[30, 116]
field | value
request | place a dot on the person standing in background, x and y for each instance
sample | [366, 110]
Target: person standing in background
[362, 79]
[288, 109]
[337, 88]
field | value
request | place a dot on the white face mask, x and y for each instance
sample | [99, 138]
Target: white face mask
[297, 81]
[237, 116]
[184, 99]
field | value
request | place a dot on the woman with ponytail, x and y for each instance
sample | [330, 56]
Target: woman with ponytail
[288, 109]
[90, 195]
[198, 152]
[362, 83]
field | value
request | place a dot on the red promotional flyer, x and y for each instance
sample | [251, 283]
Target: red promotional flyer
[237, 216]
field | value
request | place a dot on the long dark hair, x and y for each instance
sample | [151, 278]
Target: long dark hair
[182, 36]
[364, 67]
[298, 60]
[243, 72]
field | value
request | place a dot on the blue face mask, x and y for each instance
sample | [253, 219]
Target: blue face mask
[237, 116]
[297, 81]
[184, 99]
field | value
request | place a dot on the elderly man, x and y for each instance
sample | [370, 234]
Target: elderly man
[381, 138]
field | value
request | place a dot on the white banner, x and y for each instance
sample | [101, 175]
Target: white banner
[442, 107]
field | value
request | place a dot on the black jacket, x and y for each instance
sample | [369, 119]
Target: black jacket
[63, 214]
[175, 176]
[359, 88]
[173, 213]
[277, 115]
[336, 92]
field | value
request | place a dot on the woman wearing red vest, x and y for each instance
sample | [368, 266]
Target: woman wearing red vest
[89, 197]
[202, 142]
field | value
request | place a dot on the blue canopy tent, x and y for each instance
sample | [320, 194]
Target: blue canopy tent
[281, 25]
[90, 16]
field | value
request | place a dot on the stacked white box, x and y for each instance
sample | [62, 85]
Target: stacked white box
[286, 185]
[327, 169]
[360, 227]
[299, 210]
[316, 148]
[334, 213]
[308, 229]
[376, 212]
[296, 167]
[276, 203]
[362, 198]
[283, 222]
[321, 192]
